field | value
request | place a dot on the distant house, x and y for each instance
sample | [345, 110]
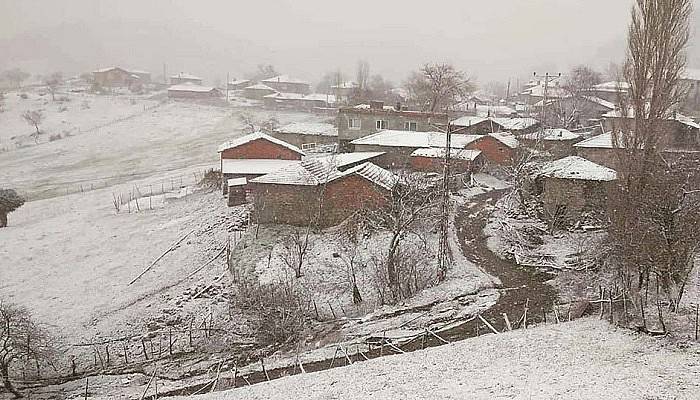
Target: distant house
[308, 134]
[120, 77]
[432, 159]
[191, 91]
[481, 109]
[475, 125]
[344, 91]
[257, 91]
[360, 121]
[298, 101]
[558, 142]
[610, 91]
[184, 78]
[255, 155]
[286, 84]
[679, 131]
[238, 84]
[600, 150]
[497, 148]
[580, 110]
[316, 192]
[572, 185]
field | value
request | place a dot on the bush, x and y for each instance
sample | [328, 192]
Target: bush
[55, 137]
[279, 310]
[23, 96]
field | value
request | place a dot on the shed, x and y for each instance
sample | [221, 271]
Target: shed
[236, 191]
[574, 185]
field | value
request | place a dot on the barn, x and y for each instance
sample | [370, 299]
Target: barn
[316, 192]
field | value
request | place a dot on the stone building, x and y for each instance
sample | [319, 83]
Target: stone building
[572, 185]
[363, 120]
[298, 101]
[316, 192]
[120, 77]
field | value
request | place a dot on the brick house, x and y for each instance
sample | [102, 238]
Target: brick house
[680, 132]
[363, 120]
[573, 185]
[474, 125]
[192, 91]
[257, 91]
[497, 148]
[433, 159]
[120, 77]
[255, 155]
[184, 78]
[315, 191]
[287, 84]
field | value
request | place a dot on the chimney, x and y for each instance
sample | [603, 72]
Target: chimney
[376, 105]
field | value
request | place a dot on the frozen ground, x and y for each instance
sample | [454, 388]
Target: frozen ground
[585, 359]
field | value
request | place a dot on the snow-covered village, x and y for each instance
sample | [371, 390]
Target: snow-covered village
[295, 200]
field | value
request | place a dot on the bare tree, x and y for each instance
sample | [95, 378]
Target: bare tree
[52, 82]
[412, 202]
[643, 206]
[295, 247]
[437, 86]
[362, 75]
[9, 201]
[253, 124]
[16, 76]
[22, 340]
[263, 71]
[34, 118]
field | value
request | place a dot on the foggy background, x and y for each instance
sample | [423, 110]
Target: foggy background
[491, 40]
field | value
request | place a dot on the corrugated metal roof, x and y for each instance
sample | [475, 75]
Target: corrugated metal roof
[393, 138]
[439, 152]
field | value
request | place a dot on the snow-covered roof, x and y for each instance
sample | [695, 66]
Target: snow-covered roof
[298, 96]
[131, 71]
[612, 86]
[341, 160]
[367, 107]
[345, 85]
[515, 124]
[602, 102]
[506, 138]
[552, 135]
[239, 82]
[255, 136]
[468, 120]
[310, 128]
[602, 141]
[439, 152]
[185, 75]
[284, 79]
[310, 172]
[683, 119]
[107, 69]
[253, 166]
[484, 109]
[189, 87]
[375, 174]
[259, 86]
[236, 182]
[574, 167]
[393, 138]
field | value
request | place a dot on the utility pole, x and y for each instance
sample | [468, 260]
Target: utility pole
[443, 247]
[508, 90]
[547, 78]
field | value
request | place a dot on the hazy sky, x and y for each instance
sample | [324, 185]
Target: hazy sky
[492, 40]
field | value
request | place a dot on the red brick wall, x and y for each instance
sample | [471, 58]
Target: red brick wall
[493, 150]
[428, 164]
[261, 149]
[297, 205]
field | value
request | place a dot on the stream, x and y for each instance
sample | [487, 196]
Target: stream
[521, 287]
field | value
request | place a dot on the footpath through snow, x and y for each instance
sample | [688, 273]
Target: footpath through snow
[584, 359]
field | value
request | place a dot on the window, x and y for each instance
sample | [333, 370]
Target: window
[381, 124]
[354, 123]
[410, 126]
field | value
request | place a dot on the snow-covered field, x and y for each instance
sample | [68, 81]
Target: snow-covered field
[585, 359]
[70, 257]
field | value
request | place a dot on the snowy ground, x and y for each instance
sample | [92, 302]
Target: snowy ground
[585, 359]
